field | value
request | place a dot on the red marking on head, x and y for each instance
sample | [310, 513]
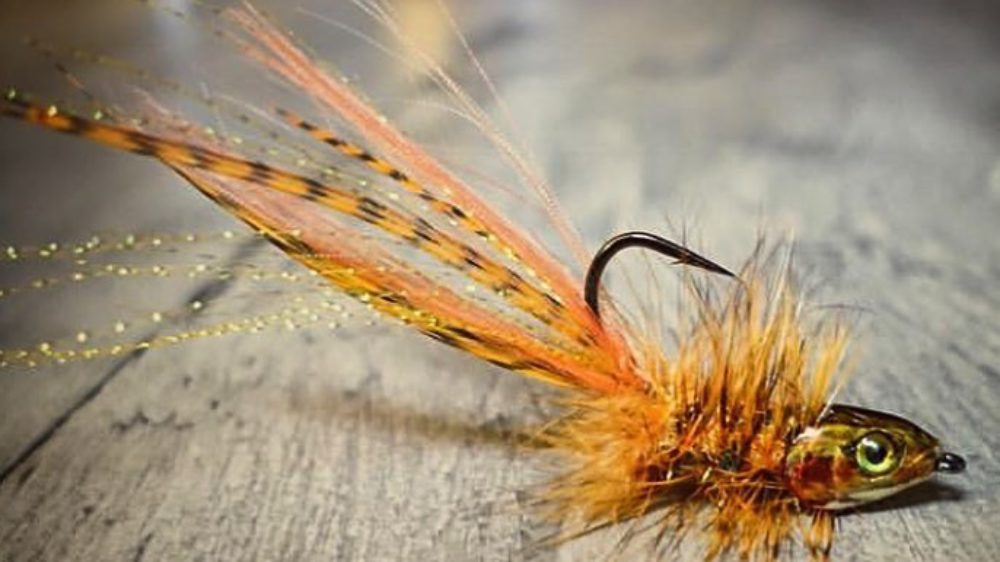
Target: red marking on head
[815, 470]
[811, 478]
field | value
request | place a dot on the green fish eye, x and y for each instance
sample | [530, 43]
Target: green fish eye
[876, 454]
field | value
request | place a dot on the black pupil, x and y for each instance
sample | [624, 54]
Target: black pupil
[874, 451]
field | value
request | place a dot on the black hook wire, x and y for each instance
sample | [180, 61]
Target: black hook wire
[646, 240]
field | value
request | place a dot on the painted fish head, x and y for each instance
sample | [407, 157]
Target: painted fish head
[853, 456]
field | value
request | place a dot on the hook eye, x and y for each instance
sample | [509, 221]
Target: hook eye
[949, 463]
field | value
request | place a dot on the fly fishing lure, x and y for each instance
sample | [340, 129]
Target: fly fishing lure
[732, 435]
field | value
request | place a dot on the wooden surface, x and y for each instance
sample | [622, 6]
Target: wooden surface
[870, 131]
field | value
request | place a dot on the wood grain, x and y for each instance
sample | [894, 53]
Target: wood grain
[868, 131]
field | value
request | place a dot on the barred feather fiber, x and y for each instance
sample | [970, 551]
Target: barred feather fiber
[730, 436]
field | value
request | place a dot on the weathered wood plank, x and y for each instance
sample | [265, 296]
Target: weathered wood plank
[869, 132]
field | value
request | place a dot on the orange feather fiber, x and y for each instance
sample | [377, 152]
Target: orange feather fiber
[702, 447]
[689, 441]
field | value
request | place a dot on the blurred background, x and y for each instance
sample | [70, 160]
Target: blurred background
[868, 132]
